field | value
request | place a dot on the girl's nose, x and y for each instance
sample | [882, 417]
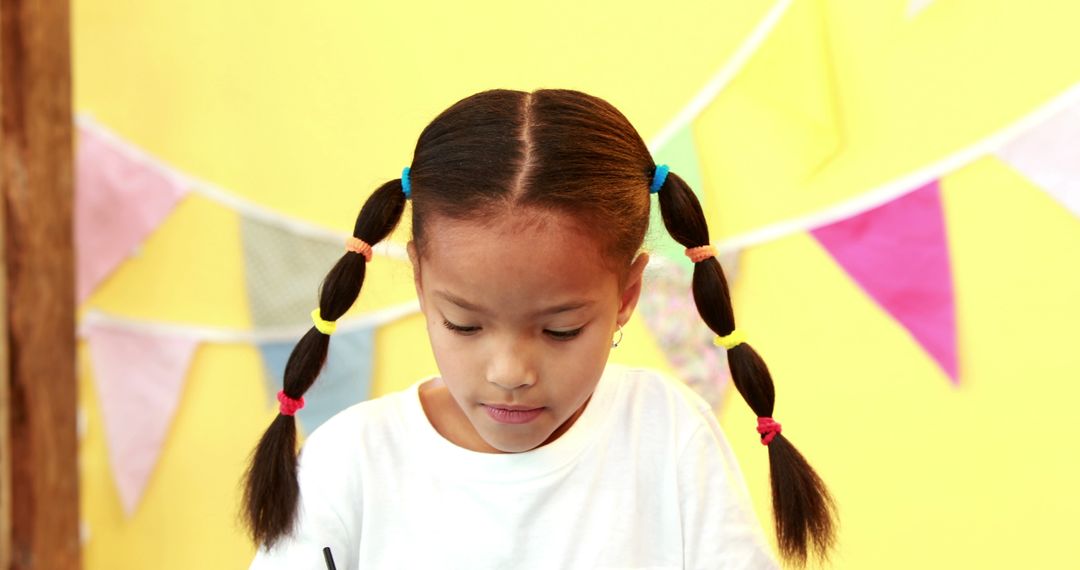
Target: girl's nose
[511, 368]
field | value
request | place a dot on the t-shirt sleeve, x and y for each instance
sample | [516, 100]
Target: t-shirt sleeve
[328, 513]
[720, 529]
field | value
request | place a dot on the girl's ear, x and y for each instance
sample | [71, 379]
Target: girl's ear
[414, 258]
[632, 290]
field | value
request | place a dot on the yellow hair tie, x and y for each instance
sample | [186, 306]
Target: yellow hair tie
[325, 327]
[732, 340]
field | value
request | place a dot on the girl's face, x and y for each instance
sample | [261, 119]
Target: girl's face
[521, 313]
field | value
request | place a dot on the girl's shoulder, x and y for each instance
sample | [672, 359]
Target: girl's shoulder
[378, 421]
[654, 396]
[361, 414]
[661, 388]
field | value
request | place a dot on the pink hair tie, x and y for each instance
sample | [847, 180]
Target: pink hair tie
[357, 245]
[701, 253]
[288, 405]
[768, 428]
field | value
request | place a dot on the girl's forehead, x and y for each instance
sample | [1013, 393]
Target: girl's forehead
[511, 231]
[515, 256]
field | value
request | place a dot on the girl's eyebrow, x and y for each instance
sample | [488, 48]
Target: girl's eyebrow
[478, 309]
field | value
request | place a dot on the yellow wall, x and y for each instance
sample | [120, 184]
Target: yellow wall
[281, 102]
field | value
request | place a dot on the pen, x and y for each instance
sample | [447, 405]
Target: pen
[329, 558]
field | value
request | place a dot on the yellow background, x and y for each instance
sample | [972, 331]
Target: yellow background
[305, 108]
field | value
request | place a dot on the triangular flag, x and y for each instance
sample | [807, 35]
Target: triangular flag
[344, 380]
[120, 199]
[1049, 156]
[283, 271]
[681, 155]
[914, 7]
[667, 304]
[779, 122]
[899, 254]
[139, 378]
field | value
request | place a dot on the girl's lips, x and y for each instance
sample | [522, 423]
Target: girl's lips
[512, 414]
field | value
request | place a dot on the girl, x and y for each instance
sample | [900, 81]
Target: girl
[528, 450]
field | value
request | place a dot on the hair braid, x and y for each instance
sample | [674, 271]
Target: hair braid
[271, 490]
[803, 510]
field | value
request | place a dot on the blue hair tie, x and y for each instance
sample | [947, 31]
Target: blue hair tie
[406, 186]
[658, 178]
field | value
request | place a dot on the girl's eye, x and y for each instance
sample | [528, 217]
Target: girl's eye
[565, 335]
[560, 335]
[459, 329]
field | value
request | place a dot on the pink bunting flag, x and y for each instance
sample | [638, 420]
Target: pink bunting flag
[898, 253]
[120, 198]
[1049, 156]
[139, 377]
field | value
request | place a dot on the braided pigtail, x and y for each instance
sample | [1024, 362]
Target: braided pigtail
[271, 491]
[803, 510]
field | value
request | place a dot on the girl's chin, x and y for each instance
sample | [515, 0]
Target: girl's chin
[522, 449]
[516, 445]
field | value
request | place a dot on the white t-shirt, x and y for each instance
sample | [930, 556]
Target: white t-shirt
[643, 479]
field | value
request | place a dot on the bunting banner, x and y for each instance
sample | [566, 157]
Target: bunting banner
[899, 254]
[1049, 156]
[123, 194]
[667, 305]
[674, 145]
[891, 241]
[898, 187]
[139, 378]
[283, 271]
[119, 201]
[140, 369]
[789, 138]
[345, 378]
[723, 76]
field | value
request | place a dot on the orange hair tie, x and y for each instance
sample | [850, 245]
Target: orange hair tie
[357, 245]
[701, 253]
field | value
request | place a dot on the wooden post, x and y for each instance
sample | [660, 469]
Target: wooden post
[39, 501]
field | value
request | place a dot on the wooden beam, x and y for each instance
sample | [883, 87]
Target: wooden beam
[40, 501]
[5, 407]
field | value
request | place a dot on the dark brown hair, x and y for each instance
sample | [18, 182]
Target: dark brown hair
[555, 150]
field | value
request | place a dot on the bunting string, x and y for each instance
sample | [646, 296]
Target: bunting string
[894, 189]
[229, 199]
[260, 335]
[722, 77]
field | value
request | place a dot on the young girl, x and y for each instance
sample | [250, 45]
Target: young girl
[529, 450]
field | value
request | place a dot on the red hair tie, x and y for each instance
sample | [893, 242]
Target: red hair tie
[768, 428]
[288, 405]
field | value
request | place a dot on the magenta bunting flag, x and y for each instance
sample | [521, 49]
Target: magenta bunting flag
[899, 254]
[139, 377]
[120, 199]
